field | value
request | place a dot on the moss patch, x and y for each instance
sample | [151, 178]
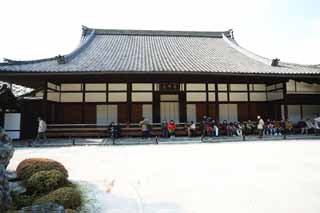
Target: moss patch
[45, 181]
[69, 197]
[31, 166]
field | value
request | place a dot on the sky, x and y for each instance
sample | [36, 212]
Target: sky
[289, 30]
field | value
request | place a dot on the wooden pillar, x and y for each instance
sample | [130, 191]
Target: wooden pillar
[129, 101]
[45, 101]
[216, 102]
[183, 106]
[83, 103]
[156, 107]
[207, 100]
[285, 106]
[249, 102]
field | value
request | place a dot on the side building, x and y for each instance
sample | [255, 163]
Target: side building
[124, 75]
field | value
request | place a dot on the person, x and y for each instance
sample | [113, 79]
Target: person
[203, 126]
[215, 129]
[267, 129]
[289, 127]
[278, 127]
[223, 127]
[260, 126]
[230, 129]
[316, 124]
[191, 129]
[42, 129]
[145, 127]
[209, 127]
[164, 128]
[4, 138]
[172, 129]
[310, 125]
[302, 125]
[238, 128]
[114, 130]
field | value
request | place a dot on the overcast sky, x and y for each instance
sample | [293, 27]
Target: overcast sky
[289, 30]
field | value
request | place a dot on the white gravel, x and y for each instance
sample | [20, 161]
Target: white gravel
[242, 177]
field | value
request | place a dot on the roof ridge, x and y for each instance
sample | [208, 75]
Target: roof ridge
[214, 34]
[85, 40]
[18, 62]
[262, 59]
[246, 52]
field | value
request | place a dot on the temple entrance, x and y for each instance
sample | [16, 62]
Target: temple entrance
[169, 108]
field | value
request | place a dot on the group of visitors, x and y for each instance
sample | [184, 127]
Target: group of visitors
[210, 127]
[168, 129]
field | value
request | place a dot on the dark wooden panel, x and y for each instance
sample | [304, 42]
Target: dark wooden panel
[90, 113]
[70, 113]
[30, 111]
[213, 111]
[258, 109]
[122, 113]
[201, 110]
[303, 99]
[136, 113]
[182, 107]
[156, 107]
[276, 113]
[243, 112]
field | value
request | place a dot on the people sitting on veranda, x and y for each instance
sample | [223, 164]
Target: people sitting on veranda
[277, 127]
[145, 127]
[114, 129]
[172, 129]
[289, 127]
[266, 130]
[309, 125]
[317, 125]
[231, 129]
[270, 128]
[237, 128]
[248, 127]
[223, 127]
[164, 128]
[191, 129]
[215, 128]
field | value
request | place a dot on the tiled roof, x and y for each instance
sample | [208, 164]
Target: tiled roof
[136, 51]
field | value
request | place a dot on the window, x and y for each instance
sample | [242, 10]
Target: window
[238, 96]
[142, 87]
[117, 87]
[196, 96]
[196, 87]
[96, 87]
[71, 97]
[71, 87]
[142, 97]
[258, 96]
[223, 96]
[117, 97]
[222, 87]
[238, 87]
[96, 97]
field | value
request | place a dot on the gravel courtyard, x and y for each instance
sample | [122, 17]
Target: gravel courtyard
[242, 177]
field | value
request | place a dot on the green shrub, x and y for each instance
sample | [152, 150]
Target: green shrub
[70, 211]
[31, 166]
[69, 197]
[19, 201]
[45, 181]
